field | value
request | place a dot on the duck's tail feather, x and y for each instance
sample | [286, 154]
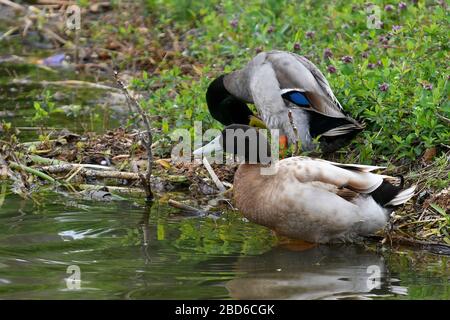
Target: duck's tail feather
[402, 197]
[390, 195]
[320, 124]
[341, 130]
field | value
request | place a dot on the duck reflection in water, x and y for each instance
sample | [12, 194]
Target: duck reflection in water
[322, 272]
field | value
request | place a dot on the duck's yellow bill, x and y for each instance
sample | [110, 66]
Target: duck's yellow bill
[256, 122]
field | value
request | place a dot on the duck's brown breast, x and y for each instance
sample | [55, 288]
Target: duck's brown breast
[254, 194]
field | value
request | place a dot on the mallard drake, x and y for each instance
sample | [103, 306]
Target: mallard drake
[276, 82]
[308, 199]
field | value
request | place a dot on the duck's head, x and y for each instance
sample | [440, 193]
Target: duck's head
[249, 144]
[224, 107]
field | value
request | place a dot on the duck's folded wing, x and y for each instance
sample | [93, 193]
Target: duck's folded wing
[308, 170]
[297, 73]
[354, 167]
[320, 78]
[265, 90]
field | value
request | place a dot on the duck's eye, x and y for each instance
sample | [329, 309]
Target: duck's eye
[297, 97]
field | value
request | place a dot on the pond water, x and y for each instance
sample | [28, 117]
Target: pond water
[127, 250]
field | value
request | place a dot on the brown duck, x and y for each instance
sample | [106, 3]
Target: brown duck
[305, 198]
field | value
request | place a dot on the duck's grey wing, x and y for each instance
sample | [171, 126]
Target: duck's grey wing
[297, 73]
[265, 90]
[320, 78]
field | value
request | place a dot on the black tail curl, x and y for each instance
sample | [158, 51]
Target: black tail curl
[387, 191]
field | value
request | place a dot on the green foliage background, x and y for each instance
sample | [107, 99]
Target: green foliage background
[413, 61]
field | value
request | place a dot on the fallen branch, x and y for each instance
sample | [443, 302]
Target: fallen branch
[92, 173]
[64, 167]
[40, 174]
[105, 174]
[187, 208]
[121, 190]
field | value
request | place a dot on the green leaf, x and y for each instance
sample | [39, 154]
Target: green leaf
[439, 210]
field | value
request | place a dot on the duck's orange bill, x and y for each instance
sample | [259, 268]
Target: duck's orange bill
[283, 146]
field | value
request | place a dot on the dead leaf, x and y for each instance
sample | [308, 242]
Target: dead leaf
[429, 154]
[163, 163]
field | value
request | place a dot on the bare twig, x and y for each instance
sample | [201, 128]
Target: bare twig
[91, 173]
[65, 167]
[443, 118]
[117, 189]
[291, 120]
[7, 33]
[187, 208]
[213, 175]
[147, 142]
[55, 36]
[13, 5]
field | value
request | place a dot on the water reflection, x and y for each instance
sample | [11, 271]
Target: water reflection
[131, 251]
[323, 272]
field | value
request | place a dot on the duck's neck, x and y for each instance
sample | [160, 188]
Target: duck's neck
[216, 92]
[224, 107]
[250, 189]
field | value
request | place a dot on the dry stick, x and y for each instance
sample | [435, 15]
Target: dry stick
[112, 174]
[443, 118]
[147, 143]
[13, 5]
[64, 167]
[213, 175]
[187, 208]
[291, 120]
[122, 190]
[7, 33]
[91, 173]
[54, 36]
[75, 172]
